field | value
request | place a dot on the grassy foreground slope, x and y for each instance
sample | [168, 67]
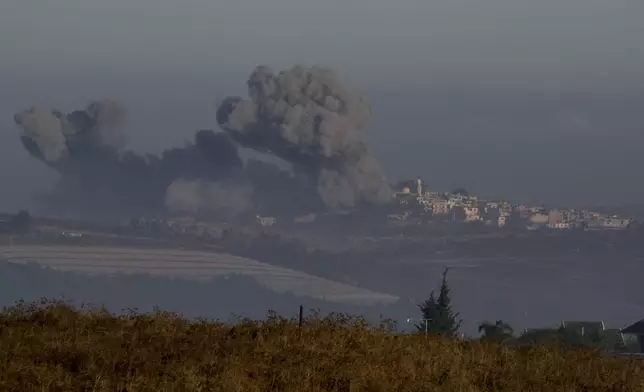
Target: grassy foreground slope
[51, 347]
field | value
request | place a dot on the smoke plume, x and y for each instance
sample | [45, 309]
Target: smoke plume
[303, 116]
[99, 178]
[54, 137]
[308, 118]
[223, 198]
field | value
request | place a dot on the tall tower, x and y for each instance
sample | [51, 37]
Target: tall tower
[419, 186]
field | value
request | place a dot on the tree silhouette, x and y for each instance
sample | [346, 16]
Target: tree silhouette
[21, 222]
[460, 192]
[438, 315]
[498, 331]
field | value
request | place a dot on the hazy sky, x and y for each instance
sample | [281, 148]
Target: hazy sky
[568, 41]
[169, 60]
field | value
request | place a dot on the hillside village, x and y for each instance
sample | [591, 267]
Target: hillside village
[416, 203]
[413, 204]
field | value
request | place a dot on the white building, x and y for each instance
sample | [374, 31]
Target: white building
[456, 200]
[472, 213]
[608, 223]
[441, 207]
[266, 220]
[616, 223]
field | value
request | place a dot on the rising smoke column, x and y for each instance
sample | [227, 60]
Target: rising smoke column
[307, 117]
[55, 137]
[84, 147]
[206, 177]
[99, 178]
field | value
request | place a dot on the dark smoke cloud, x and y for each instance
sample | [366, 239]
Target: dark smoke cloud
[99, 178]
[53, 136]
[296, 195]
[308, 118]
[303, 116]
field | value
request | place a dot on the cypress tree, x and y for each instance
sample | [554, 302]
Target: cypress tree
[438, 314]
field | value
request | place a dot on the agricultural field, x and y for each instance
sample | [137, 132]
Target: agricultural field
[196, 265]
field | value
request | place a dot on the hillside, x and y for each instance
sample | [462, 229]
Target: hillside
[225, 297]
[55, 348]
[188, 265]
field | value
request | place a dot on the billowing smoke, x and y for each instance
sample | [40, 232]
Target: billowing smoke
[99, 178]
[308, 118]
[303, 116]
[54, 137]
[223, 198]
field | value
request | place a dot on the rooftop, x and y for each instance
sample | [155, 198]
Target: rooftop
[634, 329]
[584, 327]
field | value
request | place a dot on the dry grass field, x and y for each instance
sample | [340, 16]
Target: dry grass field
[197, 265]
[50, 347]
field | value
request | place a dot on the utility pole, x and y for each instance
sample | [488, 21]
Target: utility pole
[300, 321]
[423, 320]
